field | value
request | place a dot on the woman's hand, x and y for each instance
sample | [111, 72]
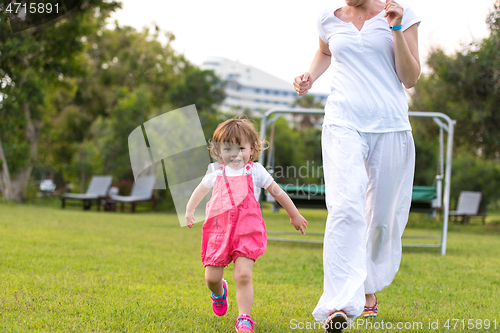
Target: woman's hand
[319, 65]
[302, 83]
[405, 46]
[393, 12]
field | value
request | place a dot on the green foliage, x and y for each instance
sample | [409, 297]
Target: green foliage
[110, 134]
[209, 122]
[297, 153]
[85, 161]
[87, 87]
[283, 145]
[16, 152]
[133, 78]
[126, 58]
[309, 102]
[202, 88]
[427, 163]
[33, 63]
[466, 87]
[471, 173]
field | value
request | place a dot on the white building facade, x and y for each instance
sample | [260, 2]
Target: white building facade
[250, 88]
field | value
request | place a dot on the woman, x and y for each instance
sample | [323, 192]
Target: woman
[368, 150]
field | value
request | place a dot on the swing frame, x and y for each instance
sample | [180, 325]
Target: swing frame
[442, 198]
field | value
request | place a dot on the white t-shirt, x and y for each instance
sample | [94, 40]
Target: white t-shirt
[261, 177]
[366, 94]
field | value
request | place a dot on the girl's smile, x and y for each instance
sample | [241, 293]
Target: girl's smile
[236, 156]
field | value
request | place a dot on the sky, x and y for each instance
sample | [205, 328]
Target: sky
[280, 37]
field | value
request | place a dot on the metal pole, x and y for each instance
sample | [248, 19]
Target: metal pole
[263, 125]
[449, 150]
[447, 184]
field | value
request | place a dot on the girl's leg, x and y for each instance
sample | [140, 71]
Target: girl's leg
[244, 289]
[213, 277]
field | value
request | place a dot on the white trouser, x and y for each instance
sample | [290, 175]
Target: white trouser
[369, 183]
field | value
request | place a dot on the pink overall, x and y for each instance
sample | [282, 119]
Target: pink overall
[234, 226]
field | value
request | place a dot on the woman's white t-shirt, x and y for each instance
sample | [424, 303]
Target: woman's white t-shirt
[366, 93]
[261, 177]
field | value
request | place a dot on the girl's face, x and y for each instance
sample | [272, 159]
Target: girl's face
[236, 156]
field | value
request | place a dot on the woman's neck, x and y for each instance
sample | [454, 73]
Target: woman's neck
[362, 6]
[364, 11]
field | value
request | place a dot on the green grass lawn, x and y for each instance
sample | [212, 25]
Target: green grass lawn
[75, 271]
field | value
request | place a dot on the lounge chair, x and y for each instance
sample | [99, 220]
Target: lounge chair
[468, 207]
[97, 190]
[138, 195]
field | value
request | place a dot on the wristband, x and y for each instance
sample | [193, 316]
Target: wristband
[396, 27]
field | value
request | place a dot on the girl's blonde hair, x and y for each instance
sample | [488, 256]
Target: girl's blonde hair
[236, 130]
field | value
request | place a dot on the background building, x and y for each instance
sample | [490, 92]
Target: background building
[250, 88]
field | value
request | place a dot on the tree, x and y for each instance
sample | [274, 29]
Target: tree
[31, 63]
[466, 86]
[109, 82]
[117, 62]
[308, 102]
[134, 78]
[201, 87]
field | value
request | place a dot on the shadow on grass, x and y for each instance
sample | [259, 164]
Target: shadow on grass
[293, 245]
[490, 228]
[422, 250]
[53, 201]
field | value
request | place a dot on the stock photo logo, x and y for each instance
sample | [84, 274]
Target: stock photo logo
[26, 14]
[172, 148]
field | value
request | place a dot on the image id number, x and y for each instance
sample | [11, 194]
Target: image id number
[40, 8]
[470, 324]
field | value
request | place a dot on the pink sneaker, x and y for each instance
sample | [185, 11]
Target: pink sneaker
[219, 303]
[244, 324]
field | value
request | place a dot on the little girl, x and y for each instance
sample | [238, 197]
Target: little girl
[234, 229]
